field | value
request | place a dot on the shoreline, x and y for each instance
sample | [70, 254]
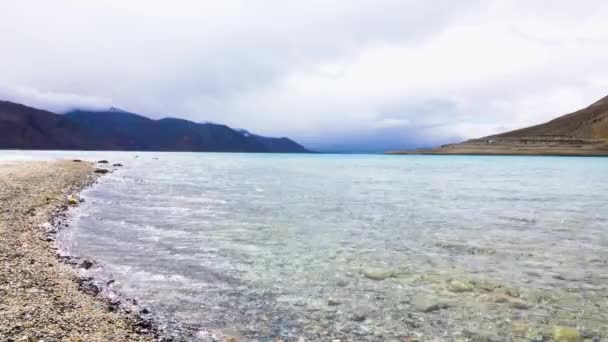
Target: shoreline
[43, 293]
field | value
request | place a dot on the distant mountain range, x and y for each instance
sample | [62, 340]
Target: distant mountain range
[23, 127]
[582, 133]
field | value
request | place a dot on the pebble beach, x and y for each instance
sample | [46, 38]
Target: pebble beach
[41, 297]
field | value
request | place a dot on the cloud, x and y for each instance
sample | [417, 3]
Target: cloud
[336, 74]
[56, 102]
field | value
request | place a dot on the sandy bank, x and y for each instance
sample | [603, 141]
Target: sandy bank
[40, 297]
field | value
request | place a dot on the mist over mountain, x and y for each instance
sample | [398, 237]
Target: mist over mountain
[23, 127]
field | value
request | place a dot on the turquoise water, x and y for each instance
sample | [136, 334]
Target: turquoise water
[353, 247]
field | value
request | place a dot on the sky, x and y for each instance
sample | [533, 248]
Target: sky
[335, 75]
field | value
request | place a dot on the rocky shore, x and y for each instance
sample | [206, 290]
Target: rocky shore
[42, 298]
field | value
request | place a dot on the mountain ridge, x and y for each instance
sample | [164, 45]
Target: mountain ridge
[23, 127]
[581, 133]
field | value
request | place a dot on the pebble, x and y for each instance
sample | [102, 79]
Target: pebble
[72, 200]
[341, 283]
[566, 334]
[517, 303]
[358, 317]
[482, 336]
[459, 286]
[333, 302]
[86, 264]
[377, 273]
[425, 303]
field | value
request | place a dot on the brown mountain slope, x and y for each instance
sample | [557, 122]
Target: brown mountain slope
[591, 122]
[584, 133]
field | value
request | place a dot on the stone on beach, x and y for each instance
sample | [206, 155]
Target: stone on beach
[72, 200]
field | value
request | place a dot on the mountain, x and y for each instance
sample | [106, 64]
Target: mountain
[584, 133]
[115, 129]
[131, 131]
[24, 127]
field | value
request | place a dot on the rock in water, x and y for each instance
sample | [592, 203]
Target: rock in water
[103, 162]
[358, 316]
[333, 302]
[118, 164]
[377, 273]
[482, 336]
[459, 286]
[566, 334]
[86, 264]
[424, 303]
[101, 171]
[517, 303]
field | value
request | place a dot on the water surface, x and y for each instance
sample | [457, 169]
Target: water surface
[355, 247]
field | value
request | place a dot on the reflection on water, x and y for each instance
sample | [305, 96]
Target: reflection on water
[358, 248]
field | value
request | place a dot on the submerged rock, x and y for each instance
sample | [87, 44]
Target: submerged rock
[358, 316]
[485, 285]
[517, 303]
[117, 164]
[101, 171]
[425, 303]
[86, 264]
[103, 162]
[566, 334]
[459, 286]
[333, 302]
[482, 336]
[520, 328]
[341, 283]
[377, 273]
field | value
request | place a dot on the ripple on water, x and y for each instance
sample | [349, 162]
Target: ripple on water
[357, 248]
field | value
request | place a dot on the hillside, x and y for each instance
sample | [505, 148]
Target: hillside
[584, 132]
[22, 127]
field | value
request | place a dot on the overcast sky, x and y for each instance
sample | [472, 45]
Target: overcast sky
[333, 74]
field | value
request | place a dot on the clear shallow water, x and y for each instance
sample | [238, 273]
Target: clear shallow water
[355, 247]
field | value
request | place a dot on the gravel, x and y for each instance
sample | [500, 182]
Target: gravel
[41, 298]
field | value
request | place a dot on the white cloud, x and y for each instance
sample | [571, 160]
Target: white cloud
[338, 73]
[56, 102]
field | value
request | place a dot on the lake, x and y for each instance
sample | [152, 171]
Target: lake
[351, 247]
